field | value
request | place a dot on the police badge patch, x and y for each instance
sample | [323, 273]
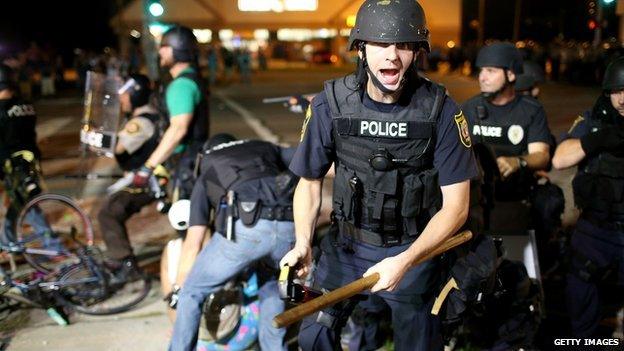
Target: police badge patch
[462, 127]
[515, 134]
[305, 122]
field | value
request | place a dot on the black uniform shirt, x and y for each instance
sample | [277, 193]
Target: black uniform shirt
[17, 127]
[513, 126]
[453, 157]
[200, 206]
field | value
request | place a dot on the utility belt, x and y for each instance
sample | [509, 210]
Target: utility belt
[249, 213]
[604, 221]
[376, 239]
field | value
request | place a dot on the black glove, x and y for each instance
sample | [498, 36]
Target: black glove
[610, 138]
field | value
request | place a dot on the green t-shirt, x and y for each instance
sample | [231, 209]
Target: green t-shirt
[183, 95]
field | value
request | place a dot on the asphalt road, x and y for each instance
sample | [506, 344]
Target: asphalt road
[236, 109]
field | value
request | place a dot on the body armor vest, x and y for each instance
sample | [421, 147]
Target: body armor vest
[17, 128]
[255, 172]
[129, 162]
[198, 129]
[599, 183]
[506, 138]
[399, 198]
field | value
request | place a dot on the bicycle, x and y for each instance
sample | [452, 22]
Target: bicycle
[70, 272]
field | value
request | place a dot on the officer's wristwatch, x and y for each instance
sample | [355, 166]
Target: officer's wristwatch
[523, 163]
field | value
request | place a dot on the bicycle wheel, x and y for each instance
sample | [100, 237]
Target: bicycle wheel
[52, 227]
[92, 289]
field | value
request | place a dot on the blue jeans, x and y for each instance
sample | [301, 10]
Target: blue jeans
[219, 261]
[37, 220]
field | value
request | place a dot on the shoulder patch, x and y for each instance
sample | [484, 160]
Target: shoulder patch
[132, 127]
[462, 127]
[304, 127]
[578, 120]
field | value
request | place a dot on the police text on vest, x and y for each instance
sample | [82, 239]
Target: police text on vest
[487, 131]
[383, 129]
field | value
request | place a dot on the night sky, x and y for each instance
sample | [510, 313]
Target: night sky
[62, 24]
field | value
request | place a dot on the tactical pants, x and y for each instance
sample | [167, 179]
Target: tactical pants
[344, 260]
[113, 215]
[604, 248]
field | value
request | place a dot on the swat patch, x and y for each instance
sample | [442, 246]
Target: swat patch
[515, 134]
[304, 127]
[383, 129]
[462, 127]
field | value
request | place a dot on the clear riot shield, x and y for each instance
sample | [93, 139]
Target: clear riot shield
[101, 113]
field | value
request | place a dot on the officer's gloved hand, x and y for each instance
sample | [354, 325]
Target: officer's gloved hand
[298, 104]
[606, 139]
[141, 176]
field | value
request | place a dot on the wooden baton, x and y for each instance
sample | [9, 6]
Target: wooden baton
[297, 313]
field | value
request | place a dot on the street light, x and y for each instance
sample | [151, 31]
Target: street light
[156, 9]
[608, 2]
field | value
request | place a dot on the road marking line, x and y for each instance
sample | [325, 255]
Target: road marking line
[252, 121]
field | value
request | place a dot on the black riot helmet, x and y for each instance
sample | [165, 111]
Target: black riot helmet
[532, 75]
[614, 75]
[390, 21]
[502, 55]
[138, 86]
[218, 139]
[183, 42]
[6, 77]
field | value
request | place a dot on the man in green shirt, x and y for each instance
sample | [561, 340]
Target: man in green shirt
[187, 104]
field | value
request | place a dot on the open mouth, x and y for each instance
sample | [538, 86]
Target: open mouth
[389, 76]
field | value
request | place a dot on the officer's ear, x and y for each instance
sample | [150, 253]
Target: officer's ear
[511, 76]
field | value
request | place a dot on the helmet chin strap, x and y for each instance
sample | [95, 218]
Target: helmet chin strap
[493, 95]
[376, 82]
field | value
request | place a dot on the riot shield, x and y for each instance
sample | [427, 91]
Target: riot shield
[101, 113]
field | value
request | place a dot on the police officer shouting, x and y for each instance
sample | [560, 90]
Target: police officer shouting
[403, 161]
[596, 144]
[514, 127]
[248, 185]
[19, 154]
[187, 105]
[136, 142]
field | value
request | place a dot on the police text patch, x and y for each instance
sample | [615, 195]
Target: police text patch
[384, 129]
[462, 127]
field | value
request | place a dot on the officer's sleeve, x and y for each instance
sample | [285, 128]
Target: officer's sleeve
[453, 156]
[287, 154]
[316, 152]
[182, 96]
[200, 207]
[579, 127]
[538, 129]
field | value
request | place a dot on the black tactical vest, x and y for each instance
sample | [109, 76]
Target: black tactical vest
[254, 170]
[17, 127]
[129, 162]
[599, 183]
[198, 129]
[505, 137]
[399, 201]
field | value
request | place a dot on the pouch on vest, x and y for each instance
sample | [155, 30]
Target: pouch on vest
[381, 204]
[413, 190]
[344, 206]
[249, 212]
